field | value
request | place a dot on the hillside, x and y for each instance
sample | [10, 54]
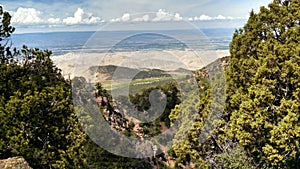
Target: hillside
[126, 120]
[218, 65]
[118, 72]
[79, 64]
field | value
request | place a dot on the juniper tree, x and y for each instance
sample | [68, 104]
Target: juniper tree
[264, 84]
[37, 119]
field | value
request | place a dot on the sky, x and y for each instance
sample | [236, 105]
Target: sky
[72, 15]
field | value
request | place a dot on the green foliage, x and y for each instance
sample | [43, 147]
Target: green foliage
[141, 101]
[259, 128]
[5, 29]
[36, 110]
[234, 157]
[125, 72]
[37, 116]
[36, 107]
[89, 115]
[263, 84]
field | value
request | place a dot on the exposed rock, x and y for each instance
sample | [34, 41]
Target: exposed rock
[14, 163]
[217, 66]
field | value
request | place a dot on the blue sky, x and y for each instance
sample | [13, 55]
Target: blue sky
[38, 15]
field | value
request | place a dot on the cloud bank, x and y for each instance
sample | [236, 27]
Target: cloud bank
[33, 16]
[208, 18]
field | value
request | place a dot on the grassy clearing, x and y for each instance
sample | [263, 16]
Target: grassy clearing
[137, 85]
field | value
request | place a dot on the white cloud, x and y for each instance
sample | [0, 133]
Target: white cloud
[177, 17]
[33, 16]
[125, 18]
[162, 15]
[80, 17]
[92, 20]
[144, 18]
[220, 17]
[54, 20]
[76, 19]
[115, 20]
[26, 16]
[202, 18]
[208, 18]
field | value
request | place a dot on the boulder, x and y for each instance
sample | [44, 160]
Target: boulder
[14, 163]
